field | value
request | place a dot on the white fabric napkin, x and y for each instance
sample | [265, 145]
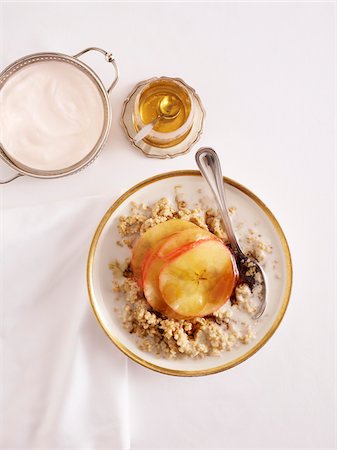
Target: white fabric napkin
[64, 383]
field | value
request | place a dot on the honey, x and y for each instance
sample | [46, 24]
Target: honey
[166, 104]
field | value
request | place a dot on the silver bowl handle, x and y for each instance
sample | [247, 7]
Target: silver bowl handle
[108, 57]
[11, 179]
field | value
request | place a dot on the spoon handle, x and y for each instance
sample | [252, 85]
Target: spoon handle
[209, 165]
[145, 130]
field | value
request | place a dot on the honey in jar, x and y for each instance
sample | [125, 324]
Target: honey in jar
[168, 106]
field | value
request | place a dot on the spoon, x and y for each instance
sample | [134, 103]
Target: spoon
[168, 108]
[250, 272]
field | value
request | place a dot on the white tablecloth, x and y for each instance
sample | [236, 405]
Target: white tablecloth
[65, 385]
[266, 75]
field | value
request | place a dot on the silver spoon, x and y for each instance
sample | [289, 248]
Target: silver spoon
[250, 272]
[169, 108]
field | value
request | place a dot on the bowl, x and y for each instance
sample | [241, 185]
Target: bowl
[250, 211]
[58, 87]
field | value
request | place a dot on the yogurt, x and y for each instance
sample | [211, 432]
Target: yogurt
[51, 115]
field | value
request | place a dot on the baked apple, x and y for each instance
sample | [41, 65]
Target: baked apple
[159, 256]
[198, 280]
[150, 238]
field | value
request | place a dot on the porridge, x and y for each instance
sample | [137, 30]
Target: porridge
[180, 329]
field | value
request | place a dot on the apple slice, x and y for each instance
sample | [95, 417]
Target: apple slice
[158, 257]
[150, 238]
[150, 255]
[181, 239]
[199, 280]
[151, 288]
[165, 247]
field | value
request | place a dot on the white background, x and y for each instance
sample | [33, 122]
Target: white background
[266, 75]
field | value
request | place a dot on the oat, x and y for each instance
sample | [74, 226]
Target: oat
[214, 224]
[244, 298]
[255, 247]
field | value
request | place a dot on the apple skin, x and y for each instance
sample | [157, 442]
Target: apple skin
[183, 238]
[198, 279]
[166, 247]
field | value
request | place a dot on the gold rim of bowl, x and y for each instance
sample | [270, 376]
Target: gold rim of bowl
[212, 370]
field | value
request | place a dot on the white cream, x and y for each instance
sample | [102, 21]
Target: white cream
[51, 115]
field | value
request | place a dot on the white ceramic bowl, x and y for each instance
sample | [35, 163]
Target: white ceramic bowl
[250, 210]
